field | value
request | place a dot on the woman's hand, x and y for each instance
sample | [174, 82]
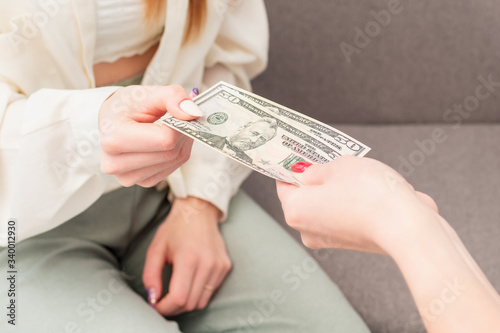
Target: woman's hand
[132, 147]
[361, 204]
[353, 203]
[190, 241]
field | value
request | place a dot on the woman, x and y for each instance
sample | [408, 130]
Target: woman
[378, 211]
[92, 249]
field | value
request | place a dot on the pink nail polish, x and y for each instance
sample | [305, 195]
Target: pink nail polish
[300, 167]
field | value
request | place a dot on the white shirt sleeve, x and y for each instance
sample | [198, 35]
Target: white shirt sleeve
[50, 147]
[238, 54]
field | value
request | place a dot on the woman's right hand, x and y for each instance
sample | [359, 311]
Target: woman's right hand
[354, 203]
[134, 149]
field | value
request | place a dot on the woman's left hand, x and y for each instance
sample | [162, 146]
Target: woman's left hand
[190, 241]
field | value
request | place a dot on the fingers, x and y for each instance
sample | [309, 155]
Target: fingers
[153, 270]
[195, 249]
[153, 180]
[193, 283]
[121, 163]
[203, 284]
[150, 175]
[214, 282]
[130, 137]
[145, 104]
[133, 148]
[289, 196]
[131, 118]
[179, 288]
[312, 174]
[285, 190]
[174, 100]
[142, 177]
[293, 198]
[295, 202]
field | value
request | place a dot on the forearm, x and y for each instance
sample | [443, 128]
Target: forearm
[449, 289]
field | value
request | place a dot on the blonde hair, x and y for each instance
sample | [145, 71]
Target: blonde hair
[197, 14]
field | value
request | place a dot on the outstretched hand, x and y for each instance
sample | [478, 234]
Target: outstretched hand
[352, 203]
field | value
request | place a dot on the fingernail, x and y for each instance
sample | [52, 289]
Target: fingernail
[300, 167]
[194, 92]
[151, 292]
[191, 108]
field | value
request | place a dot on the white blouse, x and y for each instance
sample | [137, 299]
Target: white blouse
[49, 104]
[117, 19]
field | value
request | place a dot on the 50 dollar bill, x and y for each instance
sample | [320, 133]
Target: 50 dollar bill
[262, 135]
[341, 142]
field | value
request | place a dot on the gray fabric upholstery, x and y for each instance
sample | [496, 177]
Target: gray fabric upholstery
[393, 94]
[427, 59]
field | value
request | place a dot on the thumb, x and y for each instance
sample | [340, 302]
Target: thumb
[179, 104]
[310, 174]
[172, 99]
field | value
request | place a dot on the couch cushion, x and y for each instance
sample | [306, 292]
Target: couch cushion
[461, 172]
[426, 59]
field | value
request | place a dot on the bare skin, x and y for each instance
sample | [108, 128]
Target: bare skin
[106, 73]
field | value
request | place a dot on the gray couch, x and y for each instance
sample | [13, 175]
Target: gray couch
[409, 79]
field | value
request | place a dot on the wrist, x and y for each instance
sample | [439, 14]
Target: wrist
[194, 205]
[106, 104]
[429, 241]
[415, 226]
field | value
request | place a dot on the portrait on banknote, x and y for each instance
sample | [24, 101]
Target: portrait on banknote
[250, 136]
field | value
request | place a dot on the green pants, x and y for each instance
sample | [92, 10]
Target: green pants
[85, 276]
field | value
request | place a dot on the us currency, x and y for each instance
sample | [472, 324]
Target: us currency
[253, 134]
[341, 142]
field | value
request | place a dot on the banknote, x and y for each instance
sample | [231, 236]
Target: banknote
[341, 142]
[256, 136]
